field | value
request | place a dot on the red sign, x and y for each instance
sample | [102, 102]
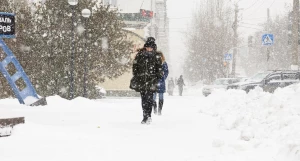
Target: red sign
[146, 13]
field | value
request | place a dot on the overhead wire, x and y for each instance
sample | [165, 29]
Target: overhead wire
[142, 4]
[256, 18]
[272, 4]
[250, 27]
[251, 5]
[238, 1]
[251, 24]
[257, 8]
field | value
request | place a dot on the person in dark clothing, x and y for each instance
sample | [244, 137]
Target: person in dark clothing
[147, 70]
[180, 83]
[171, 86]
[161, 87]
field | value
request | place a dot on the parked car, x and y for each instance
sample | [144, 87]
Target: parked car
[220, 83]
[242, 79]
[269, 81]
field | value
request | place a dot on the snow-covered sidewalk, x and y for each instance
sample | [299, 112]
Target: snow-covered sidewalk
[225, 126]
[107, 129]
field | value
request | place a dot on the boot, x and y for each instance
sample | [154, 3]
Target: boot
[160, 105]
[145, 117]
[146, 120]
[154, 107]
[149, 120]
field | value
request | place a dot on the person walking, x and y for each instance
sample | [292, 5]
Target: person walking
[171, 86]
[147, 70]
[161, 86]
[180, 83]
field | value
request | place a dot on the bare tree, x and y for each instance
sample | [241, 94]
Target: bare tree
[209, 39]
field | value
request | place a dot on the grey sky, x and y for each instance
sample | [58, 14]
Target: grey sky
[253, 13]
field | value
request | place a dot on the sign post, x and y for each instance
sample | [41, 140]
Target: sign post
[268, 40]
[227, 58]
[7, 25]
[27, 95]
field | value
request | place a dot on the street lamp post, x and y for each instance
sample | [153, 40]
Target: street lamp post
[71, 95]
[86, 13]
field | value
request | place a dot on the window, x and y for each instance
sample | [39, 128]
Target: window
[291, 76]
[275, 77]
[259, 77]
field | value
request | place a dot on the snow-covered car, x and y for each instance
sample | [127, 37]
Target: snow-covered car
[220, 83]
[242, 79]
[269, 81]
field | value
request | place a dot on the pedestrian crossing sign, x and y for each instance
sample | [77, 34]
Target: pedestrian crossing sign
[228, 57]
[267, 39]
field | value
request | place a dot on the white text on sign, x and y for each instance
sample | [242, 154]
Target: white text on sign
[5, 20]
[5, 28]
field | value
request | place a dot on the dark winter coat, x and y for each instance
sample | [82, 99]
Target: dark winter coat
[180, 82]
[147, 70]
[161, 86]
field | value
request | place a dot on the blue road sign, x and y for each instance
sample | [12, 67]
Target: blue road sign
[7, 30]
[268, 39]
[7, 25]
[228, 57]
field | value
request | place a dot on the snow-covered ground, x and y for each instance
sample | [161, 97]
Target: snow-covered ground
[225, 126]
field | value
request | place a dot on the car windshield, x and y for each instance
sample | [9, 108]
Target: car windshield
[220, 82]
[258, 77]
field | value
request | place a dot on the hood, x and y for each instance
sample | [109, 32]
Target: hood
[248, 82]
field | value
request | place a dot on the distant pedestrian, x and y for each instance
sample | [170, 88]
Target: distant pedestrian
[180, 83]
[147, 70]
[171, 86]
[161, 87]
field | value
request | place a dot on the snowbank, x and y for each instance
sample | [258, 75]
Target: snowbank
[5, 131]
[231, 126]
[258, 122]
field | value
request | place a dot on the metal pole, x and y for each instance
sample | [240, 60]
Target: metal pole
[72, 58]
[295, 35]
[85, 62]
[235, 39]
[268, 30]
[152, 27]
[228, 69]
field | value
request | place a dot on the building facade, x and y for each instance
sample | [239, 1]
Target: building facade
[161, 25]
[139, 26]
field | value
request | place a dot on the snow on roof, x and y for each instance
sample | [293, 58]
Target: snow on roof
[133, 6]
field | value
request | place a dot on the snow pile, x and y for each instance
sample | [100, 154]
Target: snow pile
[231, 126]
[192, 89]
[258, 122]
[30, 100]
[5, 131]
